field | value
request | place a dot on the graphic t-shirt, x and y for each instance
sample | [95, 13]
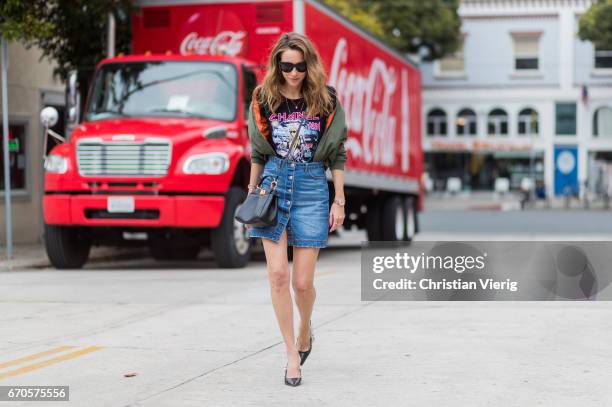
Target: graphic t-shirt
[286, 122]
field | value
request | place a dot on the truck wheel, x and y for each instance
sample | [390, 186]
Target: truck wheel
[411, 218]
[67, 246]
[229, 241]
[393, 220]
[373, 224]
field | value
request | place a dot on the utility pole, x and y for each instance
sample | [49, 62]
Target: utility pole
[110, 36]
[7, 174]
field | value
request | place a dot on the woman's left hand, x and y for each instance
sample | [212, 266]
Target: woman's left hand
[336, 217]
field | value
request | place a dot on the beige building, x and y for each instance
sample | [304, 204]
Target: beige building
[31, 87]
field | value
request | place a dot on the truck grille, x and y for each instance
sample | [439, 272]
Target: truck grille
[148, 158]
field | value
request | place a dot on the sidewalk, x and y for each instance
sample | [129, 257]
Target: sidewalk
[486, 200]
[33, 255]
[28, 256]
[478, 200]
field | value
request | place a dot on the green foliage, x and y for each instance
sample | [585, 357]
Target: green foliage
[361, 13]
[433, 23]
[22, 20]
[596, 25]
[407, 25]
[71, 32]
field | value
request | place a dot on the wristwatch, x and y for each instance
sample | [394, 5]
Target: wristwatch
[339, 201]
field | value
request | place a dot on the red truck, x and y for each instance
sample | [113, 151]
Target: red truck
[161, 156]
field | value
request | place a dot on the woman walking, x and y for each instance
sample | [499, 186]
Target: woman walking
[297, 129]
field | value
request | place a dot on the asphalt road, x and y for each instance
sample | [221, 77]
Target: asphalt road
[188, 334]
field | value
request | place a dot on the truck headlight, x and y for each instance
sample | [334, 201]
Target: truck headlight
[209, 163]
[56, 164]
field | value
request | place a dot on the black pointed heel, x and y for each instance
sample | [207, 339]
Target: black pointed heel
[293, 381]
[304, 355]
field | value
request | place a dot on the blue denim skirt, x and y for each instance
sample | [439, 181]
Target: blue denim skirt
[303, 203]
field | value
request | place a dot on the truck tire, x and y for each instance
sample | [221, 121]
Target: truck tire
[411, 218]
[373, 221]
[67, 246]
[229, 241]
[393, 219]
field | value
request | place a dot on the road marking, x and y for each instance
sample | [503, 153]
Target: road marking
[34, 356]
[48, 362]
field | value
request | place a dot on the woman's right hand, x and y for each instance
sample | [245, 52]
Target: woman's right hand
[250, 188]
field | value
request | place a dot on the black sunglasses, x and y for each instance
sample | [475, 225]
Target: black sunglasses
[288, 66]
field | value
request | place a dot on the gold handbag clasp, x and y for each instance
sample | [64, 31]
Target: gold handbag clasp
[273, 184]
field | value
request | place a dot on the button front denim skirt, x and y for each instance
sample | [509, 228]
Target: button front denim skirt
[303, 203]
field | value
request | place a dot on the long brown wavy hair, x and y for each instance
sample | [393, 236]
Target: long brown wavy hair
[316, 95]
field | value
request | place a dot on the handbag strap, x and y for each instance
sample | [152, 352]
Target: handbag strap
[292, 145]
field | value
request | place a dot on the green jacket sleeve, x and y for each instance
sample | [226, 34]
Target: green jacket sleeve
[339, 158]
[337, 162]
[256, 155]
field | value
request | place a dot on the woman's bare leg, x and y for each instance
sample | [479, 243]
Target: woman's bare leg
[304, 262]
[278, 275]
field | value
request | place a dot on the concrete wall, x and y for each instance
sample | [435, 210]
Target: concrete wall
[30, 82]
[489, 54]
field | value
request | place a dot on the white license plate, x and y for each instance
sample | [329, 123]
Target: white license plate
[120, 204]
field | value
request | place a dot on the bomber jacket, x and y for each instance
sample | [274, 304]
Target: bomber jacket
[330, 149]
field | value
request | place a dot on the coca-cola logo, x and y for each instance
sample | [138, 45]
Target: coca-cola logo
[224, 43]
[368, 102]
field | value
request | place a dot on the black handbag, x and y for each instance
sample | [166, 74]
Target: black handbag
[260, 208]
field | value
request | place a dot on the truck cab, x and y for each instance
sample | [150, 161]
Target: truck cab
[160, 158]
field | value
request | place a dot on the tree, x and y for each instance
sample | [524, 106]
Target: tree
[361, 13]
[412, 24]
[72, 33]
[22, 20]
[80, 29]
[430, 27]
[596, 25]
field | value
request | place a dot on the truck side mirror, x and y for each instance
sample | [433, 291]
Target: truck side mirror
[48, 118]
[73, 101]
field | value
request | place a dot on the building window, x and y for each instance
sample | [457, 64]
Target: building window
[17, 156]
[453, 63]
[565, 119]
[466, 122]
[526, 51]
[497, 123]
[528, 122]
[602, 122]
[603, 59]
[436, 123]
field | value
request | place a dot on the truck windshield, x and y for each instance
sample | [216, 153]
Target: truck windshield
[164, 88]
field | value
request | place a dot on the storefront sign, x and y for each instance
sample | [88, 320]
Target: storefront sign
[475, 145]
[13, 145]
[566, 170]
